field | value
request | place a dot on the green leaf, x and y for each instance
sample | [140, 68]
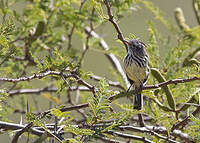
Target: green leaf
[98, 8]
[155, 72]
[193, 99]
[60, 114]
[77, 131]
[4, 41]
[165, 108]
[40, 29]
[42, 138]
[72, 140]
[103, 85]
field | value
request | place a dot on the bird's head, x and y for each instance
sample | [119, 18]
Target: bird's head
[136, 47]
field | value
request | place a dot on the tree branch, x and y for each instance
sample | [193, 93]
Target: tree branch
[34, 76]
[92, 88]
[107, 140]
[19, 133]
[111, 83]
[12, 126]
[45, 89]
[173, 81]
[185, 121]
[128, 136]
[145, 130]
[47, 73]
[112, 20]
[111, 57]
[32, 91]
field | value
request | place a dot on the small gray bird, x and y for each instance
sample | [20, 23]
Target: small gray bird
[136, 66]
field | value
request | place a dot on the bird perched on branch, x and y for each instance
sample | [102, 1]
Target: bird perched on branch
[137, 69]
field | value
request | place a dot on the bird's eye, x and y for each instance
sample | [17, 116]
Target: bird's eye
[140, 46]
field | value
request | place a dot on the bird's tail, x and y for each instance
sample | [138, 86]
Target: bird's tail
[138, 101]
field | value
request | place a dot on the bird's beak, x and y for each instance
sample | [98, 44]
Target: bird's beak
[127, 42]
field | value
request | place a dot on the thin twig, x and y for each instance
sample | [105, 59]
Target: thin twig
[19, 133]
[34, 76]
[111, 83]
[111, 57]
[141, 120]
[112, 20]
[32, 91]
[47, 73]
[90, 87]
[146, 130]
[107, 140]
[70, 37]
[154, 130]
[73, 28]
[12, 93]
[86, 45]
[196, 10]
[13, 126]
[173, 81]
[128, 136]
[185, 121]
[65, 109]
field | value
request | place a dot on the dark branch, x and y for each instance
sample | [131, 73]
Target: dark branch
[128, 136]
[12, 126]
[185, 121]
[173, 81]
[45, 89]
[65, 109]
[111, 83]
[34, 76]
[111, 57]
[19, 133]
[32, 91]
[145, 130]
[107, 140]
[112, 20]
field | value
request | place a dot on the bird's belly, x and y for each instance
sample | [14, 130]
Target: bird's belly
[136, 73]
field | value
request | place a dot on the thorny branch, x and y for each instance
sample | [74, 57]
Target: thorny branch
[185, 121]
[19, 133]
[34, 76]
[86, 84]
[128, 136]
[173, 81]
[32, 91]
[70, 34]
[86, 44]
[154, 130]
[112, 20]
[107, 140]
[111, 57]
[12, 93]
[111, 83]
[13, 126]
[146, 130]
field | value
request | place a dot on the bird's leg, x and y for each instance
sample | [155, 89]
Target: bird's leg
[132, 84]
[140, 88]
[129, 87]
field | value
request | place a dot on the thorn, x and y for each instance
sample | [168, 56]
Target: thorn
[21, 120]
[27, 108]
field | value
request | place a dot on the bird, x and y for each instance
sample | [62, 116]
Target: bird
[136, 66]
